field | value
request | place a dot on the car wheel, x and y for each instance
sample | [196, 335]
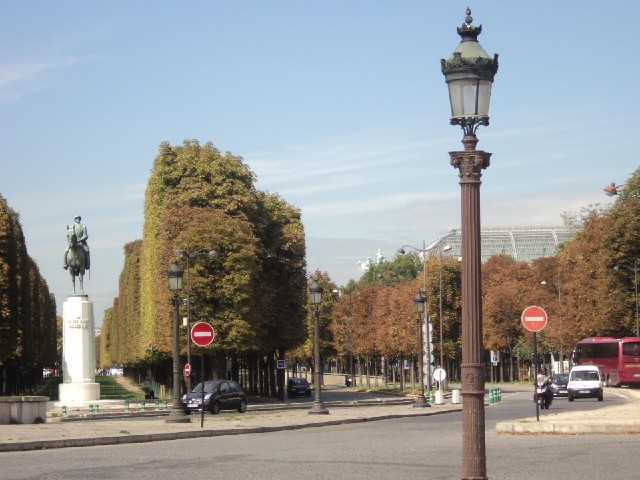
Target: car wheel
[215, 408]
[600, 397]
[243, 406]
[570, 397]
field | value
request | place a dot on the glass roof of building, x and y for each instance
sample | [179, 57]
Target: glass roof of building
[521, 243]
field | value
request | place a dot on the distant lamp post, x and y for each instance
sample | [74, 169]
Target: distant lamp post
[635, 269]
[176, 414]
[402, 251]
[315, 291]
[469, 74]
[446, 248]
[611, 190]
[419, 302]
[188, 255]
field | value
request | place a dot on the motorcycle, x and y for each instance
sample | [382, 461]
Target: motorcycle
[544, 395]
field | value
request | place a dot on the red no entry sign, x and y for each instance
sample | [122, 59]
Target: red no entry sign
[187, 369]
[202, 334]
[534, 318]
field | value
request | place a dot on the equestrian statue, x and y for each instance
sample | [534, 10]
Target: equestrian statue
[76, 256]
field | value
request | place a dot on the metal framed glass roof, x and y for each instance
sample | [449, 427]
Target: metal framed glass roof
[520, 243]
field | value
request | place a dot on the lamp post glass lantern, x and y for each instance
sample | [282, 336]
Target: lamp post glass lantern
[469, 73]
[176, 414]
[419, 302]
[315, 293]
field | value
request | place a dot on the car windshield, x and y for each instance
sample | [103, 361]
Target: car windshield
[560, 377]
[585, 375]
[299, 381]
[209, 387]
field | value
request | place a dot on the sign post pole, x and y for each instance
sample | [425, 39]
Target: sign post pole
[534, 319]
[202, 334]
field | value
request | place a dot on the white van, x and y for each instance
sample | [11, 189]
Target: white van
[585, 381]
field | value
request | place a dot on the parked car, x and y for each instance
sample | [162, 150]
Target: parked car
[559, 384]
[585, 381]
[218, 395]
[298, 386]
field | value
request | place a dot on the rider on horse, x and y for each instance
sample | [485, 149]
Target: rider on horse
[82, 236]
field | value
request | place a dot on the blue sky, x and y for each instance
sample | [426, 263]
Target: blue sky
[340, 107]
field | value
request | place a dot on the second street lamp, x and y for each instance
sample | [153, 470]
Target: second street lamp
[469, 74]
[315, 292]
[188, 255]
[176, 414]
[419, 302]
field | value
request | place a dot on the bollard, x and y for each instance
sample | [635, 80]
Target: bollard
[96, 408]
[431, 397]
[142, 406]
[157, 405]
[455, 396]
[64, 410]
[165, 404]
[126, 406]
[491, 398]
[91, 408]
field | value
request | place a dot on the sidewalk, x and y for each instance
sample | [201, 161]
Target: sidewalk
[617, 419]
[152, 427]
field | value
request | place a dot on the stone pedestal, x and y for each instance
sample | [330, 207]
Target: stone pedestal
[78, 352]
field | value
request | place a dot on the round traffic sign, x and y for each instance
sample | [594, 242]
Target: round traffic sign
[202, 334]
[187, 369]
[439, 375]
[534, 318]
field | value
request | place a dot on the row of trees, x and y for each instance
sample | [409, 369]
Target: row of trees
[255, 292]
[585, 289]
[28, 324]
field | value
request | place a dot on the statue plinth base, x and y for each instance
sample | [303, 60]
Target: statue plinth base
[78, 352]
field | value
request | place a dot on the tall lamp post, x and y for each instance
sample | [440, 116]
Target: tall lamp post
[188, 255]
[419, 302]
[318, 407]
[176, 414]
[469, 74]
[401, 251]
[446, 248]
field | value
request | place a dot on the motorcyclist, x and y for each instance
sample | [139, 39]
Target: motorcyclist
[544, 380]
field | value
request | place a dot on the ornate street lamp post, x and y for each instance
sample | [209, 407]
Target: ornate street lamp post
[176, 414]
[318, 407]
[419, 302]
[188, 255]
[469, 73]
[427, 323]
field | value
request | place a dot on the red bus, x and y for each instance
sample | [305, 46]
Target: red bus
[617, 358]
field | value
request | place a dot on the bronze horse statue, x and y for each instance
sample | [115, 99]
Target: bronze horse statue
[76, 259]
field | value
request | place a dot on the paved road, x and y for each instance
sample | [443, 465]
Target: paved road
[417, 447]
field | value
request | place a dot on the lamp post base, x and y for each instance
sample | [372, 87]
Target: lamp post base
[177, 415]
[318, 408]
[421, 402]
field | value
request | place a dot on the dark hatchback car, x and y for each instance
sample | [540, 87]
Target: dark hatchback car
[559, 384]
[218, 395]
[298, 386]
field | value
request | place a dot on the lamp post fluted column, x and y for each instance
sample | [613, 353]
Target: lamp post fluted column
[419, 302]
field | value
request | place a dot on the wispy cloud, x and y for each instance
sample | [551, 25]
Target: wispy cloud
[19, 79]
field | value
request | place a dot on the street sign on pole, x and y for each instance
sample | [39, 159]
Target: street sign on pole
[439, 375]
[187, 369]
[534, 318]
[202, 334]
